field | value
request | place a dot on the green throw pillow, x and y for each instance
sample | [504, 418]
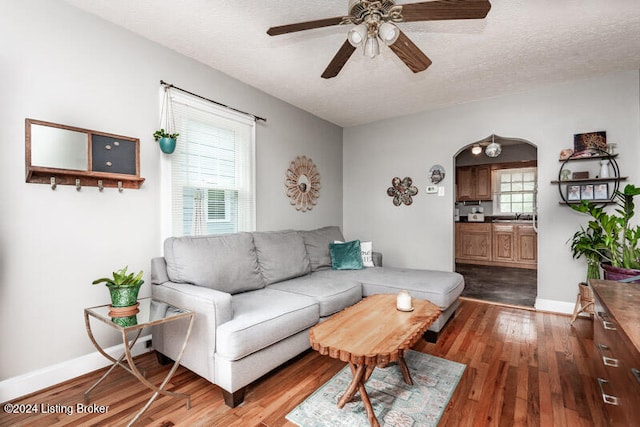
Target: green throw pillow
[346, 256]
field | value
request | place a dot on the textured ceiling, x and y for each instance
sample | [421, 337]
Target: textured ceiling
[521, 44]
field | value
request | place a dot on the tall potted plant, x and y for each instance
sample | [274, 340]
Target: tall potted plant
[612, 238]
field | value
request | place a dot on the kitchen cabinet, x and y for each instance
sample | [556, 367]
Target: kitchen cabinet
[473, 242]
[506, 244]
[616, 338]
[473, 183]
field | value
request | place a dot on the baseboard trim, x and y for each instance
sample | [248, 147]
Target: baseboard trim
[31, 382]
[554, 306]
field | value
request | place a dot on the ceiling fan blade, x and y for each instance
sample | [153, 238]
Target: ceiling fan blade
[338, 61]
[410, 54]
[445, 9]
[301, 26]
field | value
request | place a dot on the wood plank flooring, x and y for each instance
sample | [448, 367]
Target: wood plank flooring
[523, 368]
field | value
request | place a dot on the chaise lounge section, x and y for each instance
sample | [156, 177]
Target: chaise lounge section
[256, 295]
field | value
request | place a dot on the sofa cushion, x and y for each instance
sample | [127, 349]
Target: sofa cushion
[331, 292]
[262, 318]
[317, 244]
[226, 263]
[440, 287]
[346, 256]
[281, 255]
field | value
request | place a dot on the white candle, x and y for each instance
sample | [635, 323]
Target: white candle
[403, 302]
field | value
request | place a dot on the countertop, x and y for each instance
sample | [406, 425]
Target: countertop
[622, 301]
[498, 219]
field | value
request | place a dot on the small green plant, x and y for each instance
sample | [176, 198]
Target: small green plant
[121, 279]
[586, 243]
[163, 134]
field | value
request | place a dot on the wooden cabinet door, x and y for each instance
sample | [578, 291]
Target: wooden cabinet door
[465, 185]
[483, 183]
[504, 243]
[527, 241]
[473, 242]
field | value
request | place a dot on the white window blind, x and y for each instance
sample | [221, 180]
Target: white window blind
[212, 169]
[515, 191]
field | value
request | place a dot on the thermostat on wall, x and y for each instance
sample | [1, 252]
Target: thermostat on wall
[432, 189]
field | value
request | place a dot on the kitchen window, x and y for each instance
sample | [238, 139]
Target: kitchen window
[515, 191]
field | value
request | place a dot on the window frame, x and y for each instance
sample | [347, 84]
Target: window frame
[511, 168]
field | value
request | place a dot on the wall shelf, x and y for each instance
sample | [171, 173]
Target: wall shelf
[573, 190]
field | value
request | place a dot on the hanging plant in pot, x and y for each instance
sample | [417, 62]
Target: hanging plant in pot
[166, 138]
[615, 240]
[123, 289]
[167, 141]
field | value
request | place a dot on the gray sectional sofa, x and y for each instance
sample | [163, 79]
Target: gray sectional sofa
[256, 295]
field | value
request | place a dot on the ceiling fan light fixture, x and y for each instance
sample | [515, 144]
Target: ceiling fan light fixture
[476, 149]
[388, 33]
[357, 35]
[371, 47]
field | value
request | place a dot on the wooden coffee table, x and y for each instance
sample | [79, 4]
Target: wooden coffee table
[372, 333]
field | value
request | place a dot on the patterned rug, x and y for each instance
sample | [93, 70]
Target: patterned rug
[394, 402]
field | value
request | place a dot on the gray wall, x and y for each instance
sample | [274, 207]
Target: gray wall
[422, 235]
[62, 65]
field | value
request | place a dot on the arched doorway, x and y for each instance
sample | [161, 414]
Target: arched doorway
[496, 220]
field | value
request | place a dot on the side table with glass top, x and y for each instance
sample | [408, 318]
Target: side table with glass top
[150, 312]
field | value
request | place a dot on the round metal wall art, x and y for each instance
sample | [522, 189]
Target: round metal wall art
[302, 183]
[402, 191]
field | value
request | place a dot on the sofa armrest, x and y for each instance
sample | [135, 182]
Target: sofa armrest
[211, 308]
[377, 258]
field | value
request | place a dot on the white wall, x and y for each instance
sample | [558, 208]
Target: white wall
[421, 235]
[59, 64]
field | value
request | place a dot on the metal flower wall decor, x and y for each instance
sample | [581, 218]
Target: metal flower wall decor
[302, 183]
[402, 191]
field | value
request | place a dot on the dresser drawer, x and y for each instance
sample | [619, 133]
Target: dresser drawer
[618, 375]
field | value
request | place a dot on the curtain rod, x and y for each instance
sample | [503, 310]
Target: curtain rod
[169, 85]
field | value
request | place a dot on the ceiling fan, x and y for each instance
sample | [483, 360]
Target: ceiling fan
[377, 19]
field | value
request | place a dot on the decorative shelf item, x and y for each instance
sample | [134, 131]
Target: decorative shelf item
[302, 183]
[65, 155]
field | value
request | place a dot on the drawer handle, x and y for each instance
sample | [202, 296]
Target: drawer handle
[609, 326]
[606, 398]
[636, 373]
[608, 361]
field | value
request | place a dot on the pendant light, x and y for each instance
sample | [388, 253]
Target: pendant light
[494, 149]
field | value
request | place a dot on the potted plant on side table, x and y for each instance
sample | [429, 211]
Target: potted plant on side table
[611, 238]
[123, 288]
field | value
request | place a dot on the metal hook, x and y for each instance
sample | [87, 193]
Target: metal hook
[53, 183]
[100, 186]
[78, 186]
[120, 186]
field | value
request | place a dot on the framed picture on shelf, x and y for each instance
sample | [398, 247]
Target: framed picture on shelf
[586, 192]
[596, 141]
[573, 192]
[601, 191]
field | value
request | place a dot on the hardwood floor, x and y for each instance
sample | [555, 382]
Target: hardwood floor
[523, 368]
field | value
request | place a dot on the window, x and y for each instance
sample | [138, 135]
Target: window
[515, 191]
[212, 170]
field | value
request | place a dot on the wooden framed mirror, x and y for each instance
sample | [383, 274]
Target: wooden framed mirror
[65, 155]
[302, 183]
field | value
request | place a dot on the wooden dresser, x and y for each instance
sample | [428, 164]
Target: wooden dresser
[616, 337]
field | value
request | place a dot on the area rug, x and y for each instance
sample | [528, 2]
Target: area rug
[394, 402]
